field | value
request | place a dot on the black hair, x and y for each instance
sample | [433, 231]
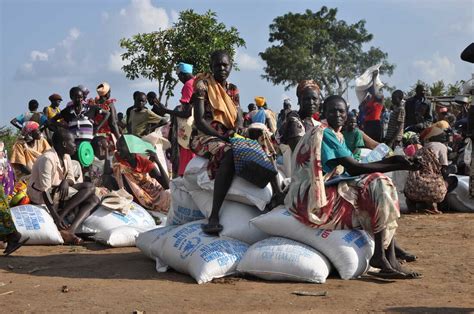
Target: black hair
[74, 90]
[331, 99]
[33, 104]
[59, 135]
[398, 91]
[96, 141]
[135, 94]
[218, 54]
[151, 95]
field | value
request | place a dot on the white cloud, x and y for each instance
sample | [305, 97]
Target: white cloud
[463, 26]
[36, 55]
[436, 68]
[97, 53]
[144, 84]
[115, 62]
[62, 60]
[247, 62]
[174, 16]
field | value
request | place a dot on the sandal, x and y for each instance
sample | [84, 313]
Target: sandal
[392, 274]
[12, 247]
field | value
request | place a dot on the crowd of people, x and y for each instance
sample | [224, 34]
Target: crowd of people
[318, 148]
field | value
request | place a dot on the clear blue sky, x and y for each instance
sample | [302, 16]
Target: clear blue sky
[51, 45]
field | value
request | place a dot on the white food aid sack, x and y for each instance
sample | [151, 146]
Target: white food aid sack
[196, 178]
[188, 250]
[283, 259]
[145, 240]
[36, 223]
[119, 237]
[348, 250]
[459, 199]
[234, 218]
[365, 81]
[183, 209]
[104, 219]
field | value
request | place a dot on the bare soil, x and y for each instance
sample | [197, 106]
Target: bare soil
[93, 278]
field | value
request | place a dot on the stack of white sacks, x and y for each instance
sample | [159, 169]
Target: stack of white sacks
[107, 226]
[269, 245]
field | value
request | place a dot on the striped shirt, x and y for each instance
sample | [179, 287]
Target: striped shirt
[81, 124]
[397, 120]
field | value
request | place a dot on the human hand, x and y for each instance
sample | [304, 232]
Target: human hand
[63, 190]
[59, 221]
[152, 156]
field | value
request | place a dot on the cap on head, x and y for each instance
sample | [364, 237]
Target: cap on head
[55, 97]
[184, 68]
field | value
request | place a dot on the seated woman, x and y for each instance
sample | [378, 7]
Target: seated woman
[367, 200]
[217, 116]
[52, 183]
[140, 176]
[297, 123]
[28, 147]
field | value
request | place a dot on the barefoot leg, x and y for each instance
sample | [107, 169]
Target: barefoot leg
[395, 264]
[224, 177]
[402, 254]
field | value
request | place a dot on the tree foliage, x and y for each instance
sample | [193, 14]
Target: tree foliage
[438, 88]
[319, 46]
[191, 39]
[8, 136]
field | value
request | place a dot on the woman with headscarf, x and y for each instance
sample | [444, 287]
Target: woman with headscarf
[217, 117]
[28, 147]
[146, 179]
[109, 128]
[297, 123]
[331, 190]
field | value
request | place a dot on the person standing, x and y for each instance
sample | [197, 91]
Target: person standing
[373, 116]
[53, 108]
[418, 111]
[182, 120]
[109, 128]
[396, 123]
[32, 115]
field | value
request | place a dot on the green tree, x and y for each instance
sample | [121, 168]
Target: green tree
[8, 136]
[321, 47]
[411, 92]
[191, 39]
[455, 88]
[438, 88]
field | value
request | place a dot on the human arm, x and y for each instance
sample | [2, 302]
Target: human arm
[16, 123]
[160, 109]
[22, 168]
[54, 122]
[47, 199]
[199, 120]
[105, 114]
[113, 121]
[355, 168]
[162, 175]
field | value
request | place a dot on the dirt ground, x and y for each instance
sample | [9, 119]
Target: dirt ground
[101, 279]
